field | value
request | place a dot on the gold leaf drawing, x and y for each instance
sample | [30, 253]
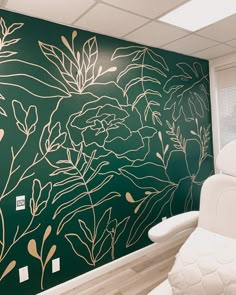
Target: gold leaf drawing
[50, 253]
[159, 156]
[1, 134]
[137, 208]
[2, 112]
[37, 205]
[166, 149]
[6, 32]
[78, 57]
[9, 268]
[129, 198]
[47, 233]
[65, 42]
[87, 232]
[26, 120]
[56, 138]
[74, 35]
[7, 53]
[32, 249]
[14, 27]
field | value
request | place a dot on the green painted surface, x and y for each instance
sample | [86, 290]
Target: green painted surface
[103, 137]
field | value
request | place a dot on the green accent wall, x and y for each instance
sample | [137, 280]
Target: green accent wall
[103, 137]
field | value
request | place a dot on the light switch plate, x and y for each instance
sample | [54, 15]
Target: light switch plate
[55, 265]
[23, 274]
[20, 203]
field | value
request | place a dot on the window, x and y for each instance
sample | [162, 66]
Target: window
[226, 101]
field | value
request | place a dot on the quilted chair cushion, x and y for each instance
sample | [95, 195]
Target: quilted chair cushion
[163, 289]
[205, 265]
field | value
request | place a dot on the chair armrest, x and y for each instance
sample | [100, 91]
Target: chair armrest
[174, 227]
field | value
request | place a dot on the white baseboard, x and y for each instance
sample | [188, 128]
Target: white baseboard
[73, 283]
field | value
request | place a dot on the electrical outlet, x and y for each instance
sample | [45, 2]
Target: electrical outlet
[20, 203]
[56, 265]
[164, 218]
[23, 274]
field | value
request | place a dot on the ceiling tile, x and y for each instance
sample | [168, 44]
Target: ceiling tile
[215, 51]
[221, 31]
[148, 8]
[156, 34]
[189, 44]
[110, 21]
[232, 42]
[54, 10]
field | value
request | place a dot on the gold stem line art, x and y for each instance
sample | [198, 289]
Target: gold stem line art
[130, 199]
[16, 239]
[11, 172]
[77, 69]
[37, 206]
[33, 251]
[6, 32]
[27, 126]
[202, 135]
[48, 126]
[179, 141]
[112, 248]
[149, 74]
[105, 238]
[137, 229]
[156, 114]
[91, 234]
[94, 218]
[163, 156]
[93, 213]
[3, 233]
[152, 197]
[24, 176]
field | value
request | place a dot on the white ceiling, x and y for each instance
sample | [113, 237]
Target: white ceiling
[134, 20]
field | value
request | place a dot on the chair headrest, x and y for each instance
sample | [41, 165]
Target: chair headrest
[226, 159]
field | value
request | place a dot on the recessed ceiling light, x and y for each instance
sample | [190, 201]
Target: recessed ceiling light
[197, 14]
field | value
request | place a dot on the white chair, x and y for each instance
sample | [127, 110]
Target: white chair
[212, 229]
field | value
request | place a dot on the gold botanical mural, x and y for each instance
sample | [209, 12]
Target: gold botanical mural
[102, 138]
